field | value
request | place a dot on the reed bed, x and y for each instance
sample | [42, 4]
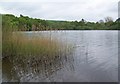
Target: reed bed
[20, 48]
[34, 54]
[26, 55]
[19, 45]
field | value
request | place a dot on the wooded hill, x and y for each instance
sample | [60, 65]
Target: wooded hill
[25, 23]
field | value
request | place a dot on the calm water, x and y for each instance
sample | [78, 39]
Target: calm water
[94, 59]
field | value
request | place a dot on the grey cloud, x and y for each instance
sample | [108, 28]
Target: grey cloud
[92, 11]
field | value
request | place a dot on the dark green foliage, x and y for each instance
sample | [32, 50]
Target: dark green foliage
[25, 23]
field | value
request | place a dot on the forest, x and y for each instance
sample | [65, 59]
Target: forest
[25, 23]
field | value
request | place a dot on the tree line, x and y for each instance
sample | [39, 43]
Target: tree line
[25, 23]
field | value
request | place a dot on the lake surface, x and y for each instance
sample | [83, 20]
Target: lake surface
[94, 58]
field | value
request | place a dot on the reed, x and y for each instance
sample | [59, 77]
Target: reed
[18, 47]
[27, 54]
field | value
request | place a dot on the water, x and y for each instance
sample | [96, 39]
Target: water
[94, 59]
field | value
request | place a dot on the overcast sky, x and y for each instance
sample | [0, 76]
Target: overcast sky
[90, 10]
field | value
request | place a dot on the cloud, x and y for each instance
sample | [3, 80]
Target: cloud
[91, 10]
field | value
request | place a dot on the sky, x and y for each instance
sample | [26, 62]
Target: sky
[70, 10]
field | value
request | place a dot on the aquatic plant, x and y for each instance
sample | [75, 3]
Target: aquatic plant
[34, 55]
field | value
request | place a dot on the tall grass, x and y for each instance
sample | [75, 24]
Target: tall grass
[28, 54]
[33, 55]
[19, 45]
